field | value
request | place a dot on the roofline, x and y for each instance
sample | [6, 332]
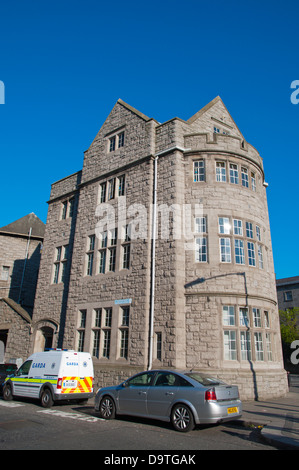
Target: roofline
[135, 111]
[17, 308]
[21, 235]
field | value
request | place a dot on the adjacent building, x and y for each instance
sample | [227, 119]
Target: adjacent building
[158, 254]
[288, 292]
[20, 248]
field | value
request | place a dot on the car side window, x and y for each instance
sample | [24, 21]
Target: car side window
[24, 369]
[166, 379]
[141, 380]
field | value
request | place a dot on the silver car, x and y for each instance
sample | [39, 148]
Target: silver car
[183, 398]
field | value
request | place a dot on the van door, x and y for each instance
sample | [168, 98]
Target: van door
[21, 386]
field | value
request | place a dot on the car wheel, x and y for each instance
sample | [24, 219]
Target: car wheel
[107, 408]
[7, 392]
[46, 398]
[182, 418]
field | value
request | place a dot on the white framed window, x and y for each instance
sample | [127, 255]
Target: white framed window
[126, 247]
[111, 189]
[81, 329]
[60, 264]
[233, 173]
[288, 296]
[67, 208]
[257, 319]
[225, 250]
[220, 172]
[258, 232]
[239, 252]
[121, 139]
[124, 332]
[230, 345]
[228, 315]
[266, 319]
[245, 346]
[243, 317]
[103, 189]
[259, 349]
[224, 225]
[269, 347]
[201, 252]
[244, 177]
[238, 227]
[5, 273]
[251, 253]
[260, 256]
[121, 185]
[249, 230]
[253, 181]
[198, 171]
[90, 255]
[201, 225]
[112, 142]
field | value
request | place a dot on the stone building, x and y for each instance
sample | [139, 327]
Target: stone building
[288, 292]
[158, 254]
[20, 247]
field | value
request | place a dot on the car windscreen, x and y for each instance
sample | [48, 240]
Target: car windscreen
[204, 379]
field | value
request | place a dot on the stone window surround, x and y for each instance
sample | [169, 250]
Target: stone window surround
[237, 327]
[115, 328]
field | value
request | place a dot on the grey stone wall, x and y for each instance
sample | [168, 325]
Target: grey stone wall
[188, 313]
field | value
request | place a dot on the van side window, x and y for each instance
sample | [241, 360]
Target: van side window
[24, 369]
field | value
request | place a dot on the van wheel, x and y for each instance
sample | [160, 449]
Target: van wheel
[7, 392]
[46, 398]
[107, 408]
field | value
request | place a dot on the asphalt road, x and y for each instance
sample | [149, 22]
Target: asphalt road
[24, 425]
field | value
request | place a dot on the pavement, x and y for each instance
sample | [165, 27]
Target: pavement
[277, 418]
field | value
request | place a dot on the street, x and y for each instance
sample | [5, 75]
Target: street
[25, 425]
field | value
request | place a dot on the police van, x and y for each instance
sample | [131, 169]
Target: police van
[51, 376]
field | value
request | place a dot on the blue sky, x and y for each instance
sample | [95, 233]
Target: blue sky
[65, 63]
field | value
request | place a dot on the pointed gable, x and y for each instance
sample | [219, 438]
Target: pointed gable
[214, 117]
[126, 135]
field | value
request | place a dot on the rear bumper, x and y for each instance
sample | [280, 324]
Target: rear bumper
[73, 396]
[218, 413]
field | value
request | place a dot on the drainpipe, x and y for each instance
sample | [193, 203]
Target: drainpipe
[153, 267]
[25, 262]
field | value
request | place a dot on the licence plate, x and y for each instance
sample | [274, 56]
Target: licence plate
[70, 384]
[233, 409]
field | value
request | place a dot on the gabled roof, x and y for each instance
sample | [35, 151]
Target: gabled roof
[17, 308]
[22, 226]
[133, 110]
[207, 107]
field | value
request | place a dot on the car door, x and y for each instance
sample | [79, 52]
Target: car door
[20, 381]
[132, 397]
[161, 394]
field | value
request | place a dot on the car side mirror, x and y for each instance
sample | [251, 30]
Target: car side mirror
[125, 384]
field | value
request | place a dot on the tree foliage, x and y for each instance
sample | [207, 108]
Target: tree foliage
[289, 325]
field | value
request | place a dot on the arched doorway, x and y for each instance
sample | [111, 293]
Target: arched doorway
[45, 336]
[44, 339]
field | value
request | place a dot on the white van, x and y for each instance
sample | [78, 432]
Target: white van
[52, 375]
